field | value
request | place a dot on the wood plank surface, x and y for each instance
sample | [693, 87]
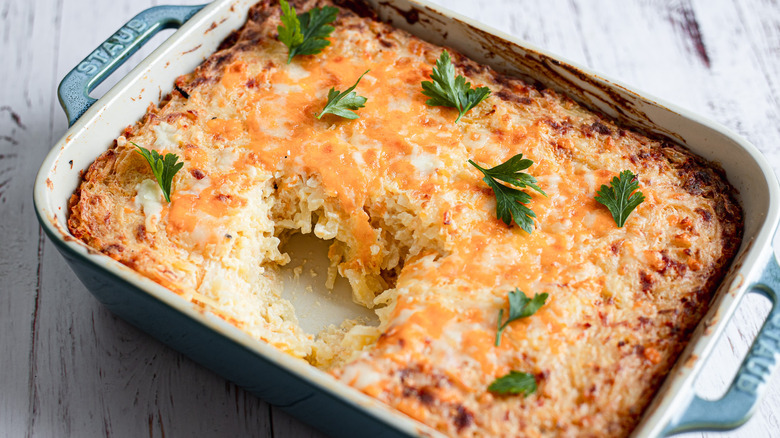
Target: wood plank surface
[70, 368]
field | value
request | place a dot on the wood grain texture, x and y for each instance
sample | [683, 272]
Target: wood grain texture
[70, 368]
[30, 103]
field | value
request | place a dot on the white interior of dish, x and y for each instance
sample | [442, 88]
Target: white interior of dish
[303, 284]
[127, 101]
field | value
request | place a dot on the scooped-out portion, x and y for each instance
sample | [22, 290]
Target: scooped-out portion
[230, 238]
[393, 207]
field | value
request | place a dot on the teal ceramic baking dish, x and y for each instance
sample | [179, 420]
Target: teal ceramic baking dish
[312, 395]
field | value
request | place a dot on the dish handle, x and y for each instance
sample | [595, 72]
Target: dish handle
[745, 391]
[78, 83]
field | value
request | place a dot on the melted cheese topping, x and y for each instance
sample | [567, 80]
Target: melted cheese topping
[167, 137]
[416, 232]
[149, 200]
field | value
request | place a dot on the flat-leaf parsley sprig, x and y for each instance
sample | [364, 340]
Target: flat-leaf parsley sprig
[510, 201]
[520, 306]
[163, 168]
[304, 34]
[622, 197]
[451, 91]
[515, 382]
[340, 103]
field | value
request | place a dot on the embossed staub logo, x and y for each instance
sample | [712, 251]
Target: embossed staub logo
[761, 360]
[111, 47]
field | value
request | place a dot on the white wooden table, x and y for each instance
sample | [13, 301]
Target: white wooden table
[70, 368]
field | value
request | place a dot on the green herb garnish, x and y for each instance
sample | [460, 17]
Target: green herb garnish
[509, 201]
[514, 383]
[304, 34]
[340, 103]
[451, 91]
[164, 168]
[520, 306]
[621, 198]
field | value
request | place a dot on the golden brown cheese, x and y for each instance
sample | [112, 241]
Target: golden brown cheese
[415, 229]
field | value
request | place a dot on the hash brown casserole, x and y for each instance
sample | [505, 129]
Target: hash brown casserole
[414, 228]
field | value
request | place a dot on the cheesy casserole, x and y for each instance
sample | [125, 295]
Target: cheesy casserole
[414, 228]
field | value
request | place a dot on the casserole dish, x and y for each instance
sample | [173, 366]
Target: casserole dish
[594, 96]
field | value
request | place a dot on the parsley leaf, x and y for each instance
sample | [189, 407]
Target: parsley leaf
[451, 91]
[164, 168]
[520, 306]
[621, 198]
[514, 383]
[509, 201]
[340, 104]
[304, 34]
[290, 30]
